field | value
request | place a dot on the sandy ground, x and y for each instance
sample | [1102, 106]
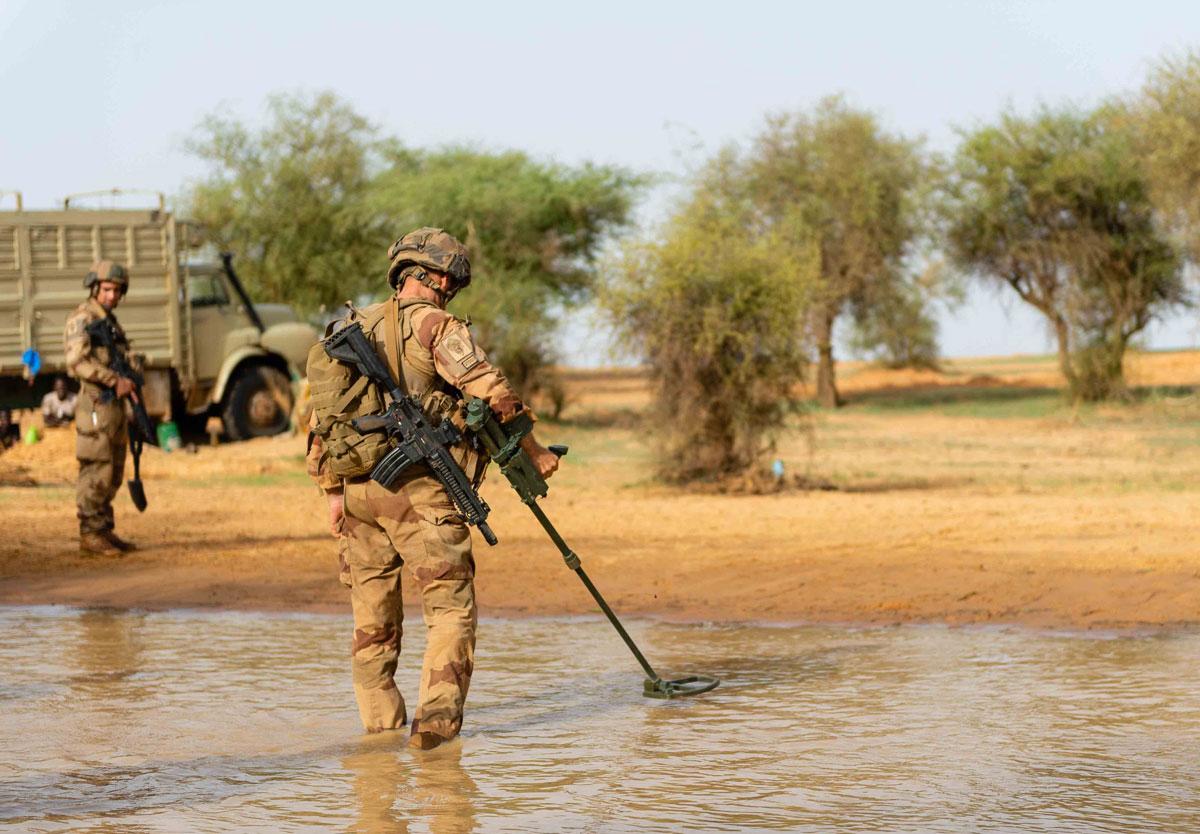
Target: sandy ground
[968, 496]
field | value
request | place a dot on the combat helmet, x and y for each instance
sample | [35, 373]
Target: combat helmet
[107, 271]
[433, 249]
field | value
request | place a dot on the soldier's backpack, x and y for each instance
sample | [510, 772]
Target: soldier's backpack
[340, 393]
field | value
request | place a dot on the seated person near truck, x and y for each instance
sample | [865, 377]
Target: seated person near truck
[10, 432]
[58, 407]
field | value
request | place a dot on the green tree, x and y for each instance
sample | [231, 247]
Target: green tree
[535, 231]
[287, 199]
[1165, 119]
[716, 308]
[1056, 207]
[858, 189]
[897, 327]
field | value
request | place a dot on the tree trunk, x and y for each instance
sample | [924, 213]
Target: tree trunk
[1100, 372]
[827, 393]
[1063, 332]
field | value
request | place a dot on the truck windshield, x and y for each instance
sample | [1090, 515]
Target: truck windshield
[207, 290]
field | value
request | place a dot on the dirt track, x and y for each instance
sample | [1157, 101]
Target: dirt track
[970, 498]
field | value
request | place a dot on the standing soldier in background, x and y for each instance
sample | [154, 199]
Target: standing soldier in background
[415, 523]
[101, 434]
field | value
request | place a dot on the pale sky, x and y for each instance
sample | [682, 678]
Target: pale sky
[97, 95]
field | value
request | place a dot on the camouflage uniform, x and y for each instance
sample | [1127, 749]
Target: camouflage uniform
[415, 524]
[101, 436]
[328, 482]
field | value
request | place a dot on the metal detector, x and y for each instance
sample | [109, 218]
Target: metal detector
[502, 442]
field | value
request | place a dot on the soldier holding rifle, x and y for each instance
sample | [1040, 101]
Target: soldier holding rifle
[411, 518]
[100, 422]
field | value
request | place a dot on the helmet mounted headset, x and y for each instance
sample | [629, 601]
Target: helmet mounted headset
[428, 248]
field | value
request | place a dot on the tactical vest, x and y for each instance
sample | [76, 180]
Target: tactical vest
[340, 393]
[92, 311]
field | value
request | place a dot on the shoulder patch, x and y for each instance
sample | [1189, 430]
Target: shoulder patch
[460, 351]
[456, 347]
[456, 350]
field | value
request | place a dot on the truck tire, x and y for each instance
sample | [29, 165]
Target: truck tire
[258, 404]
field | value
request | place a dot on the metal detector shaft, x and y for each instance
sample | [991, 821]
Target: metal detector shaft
[502, 442]
[572, 560]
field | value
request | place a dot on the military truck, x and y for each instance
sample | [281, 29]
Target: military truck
[209, 349]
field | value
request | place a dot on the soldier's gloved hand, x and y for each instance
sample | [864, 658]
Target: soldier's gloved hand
[545, 461]
[337, 512]
[124, 388]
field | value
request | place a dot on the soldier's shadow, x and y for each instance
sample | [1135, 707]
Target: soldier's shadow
[238, 542]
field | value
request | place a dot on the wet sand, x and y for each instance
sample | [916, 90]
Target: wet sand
[966, 498]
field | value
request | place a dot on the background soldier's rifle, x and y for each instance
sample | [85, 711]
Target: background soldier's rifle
[502, 442]
[405, 422]
[102, 333]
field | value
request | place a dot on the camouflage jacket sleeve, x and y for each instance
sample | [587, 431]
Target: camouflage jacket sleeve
[318, 465]
[461, 362]
[81, 361]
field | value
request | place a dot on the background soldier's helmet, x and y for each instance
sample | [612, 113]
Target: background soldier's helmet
[107, 271]
[432, 249]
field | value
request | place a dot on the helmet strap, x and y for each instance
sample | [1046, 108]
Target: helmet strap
[422, 277]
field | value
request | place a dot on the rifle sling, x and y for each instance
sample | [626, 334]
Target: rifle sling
[391, 344]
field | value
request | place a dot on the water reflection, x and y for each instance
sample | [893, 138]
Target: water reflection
[107, 651]
[214, 722]
[396, 788]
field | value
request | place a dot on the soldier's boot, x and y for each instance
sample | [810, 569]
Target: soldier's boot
[118, 542]
[425, 741]
[97, 544]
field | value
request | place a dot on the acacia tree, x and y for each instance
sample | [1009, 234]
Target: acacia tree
[288, 199]
[1056, 207]
[1165, 119]
[715, 307]
[856, 188]
[534, 229]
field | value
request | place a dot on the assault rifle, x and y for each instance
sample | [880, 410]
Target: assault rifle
[405, 422]
[141, 430]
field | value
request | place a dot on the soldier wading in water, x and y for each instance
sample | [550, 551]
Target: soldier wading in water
[101, 428]
[434, 357]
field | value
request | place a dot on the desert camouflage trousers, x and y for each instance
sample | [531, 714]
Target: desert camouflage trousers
[100, 446]
[412, 525]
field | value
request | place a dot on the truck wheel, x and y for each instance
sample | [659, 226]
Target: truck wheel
[259, 403]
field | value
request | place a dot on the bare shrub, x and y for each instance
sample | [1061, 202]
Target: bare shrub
[716, 308]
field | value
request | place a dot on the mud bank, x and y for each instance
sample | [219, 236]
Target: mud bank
[983, 508]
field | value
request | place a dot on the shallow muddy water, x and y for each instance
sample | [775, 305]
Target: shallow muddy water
[182, 722]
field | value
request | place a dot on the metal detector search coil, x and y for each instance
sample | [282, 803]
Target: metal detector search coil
[680, 687]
